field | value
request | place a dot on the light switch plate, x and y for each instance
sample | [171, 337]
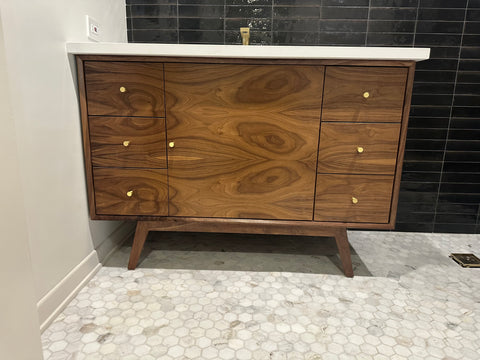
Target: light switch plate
[93, 29]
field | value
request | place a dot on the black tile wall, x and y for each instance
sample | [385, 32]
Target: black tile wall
[440, 189]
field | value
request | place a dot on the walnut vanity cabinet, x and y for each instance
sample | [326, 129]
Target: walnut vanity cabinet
[300, 147]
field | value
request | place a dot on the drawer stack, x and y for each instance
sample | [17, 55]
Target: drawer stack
[126, 137]
[359, 138]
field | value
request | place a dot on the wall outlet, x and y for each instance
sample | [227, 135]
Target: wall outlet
[93, 29]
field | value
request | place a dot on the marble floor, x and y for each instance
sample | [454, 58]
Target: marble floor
[218, 296]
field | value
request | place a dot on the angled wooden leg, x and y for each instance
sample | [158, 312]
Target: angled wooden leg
[141, 233]
[344, 251]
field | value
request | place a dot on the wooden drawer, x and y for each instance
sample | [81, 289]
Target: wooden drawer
[130, 192]
[358, 148]
[127, 142]
[364, 94]
[124, 88]
[336, 194]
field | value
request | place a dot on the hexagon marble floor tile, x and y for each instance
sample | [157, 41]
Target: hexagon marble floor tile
[216, 296]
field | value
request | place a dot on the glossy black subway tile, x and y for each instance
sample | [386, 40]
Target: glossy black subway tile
[453, 208]
[394, 3]
[473, 15]
[454, 228]
[200, 24]
[255, 24]
[153, 11]
[203, 11]
[339, 38]
[206, 37]
[472, 27]
[428, 122]
[425, 144]
[297, 12]
[288, 37]
[152, 36]
[465, 123]
[248, 2]
[441, 14]
[330, 12]
[439, 27]
[343, 26]
[390, 39]
[393, 13]
[200, 2]
[471, 40]
[463, 156]
[443, 3]
[345, 3]
[433, 88]
[461, 178]
[433, 177]
[391, 26]
[311, 25]
[154, 23]
[437, 39]
[151, 2]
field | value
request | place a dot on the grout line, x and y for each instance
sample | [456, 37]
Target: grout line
[224, 22]
[178, 24]
[451, 113]
[271, 23]
[368, 23]
[416, 23]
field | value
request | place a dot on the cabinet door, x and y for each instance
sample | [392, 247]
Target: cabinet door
[244, 139]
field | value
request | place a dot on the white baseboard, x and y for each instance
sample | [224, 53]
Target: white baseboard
[58, 298]
[114, 241]
[53, 303]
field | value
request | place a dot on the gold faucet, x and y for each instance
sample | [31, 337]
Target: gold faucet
[245, 32]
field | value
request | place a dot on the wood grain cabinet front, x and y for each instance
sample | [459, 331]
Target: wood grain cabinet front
[131, 191]
[245, 139]
[244, 145]
[358, 148]
[353, 198]
[364, 94]
[133, 142]
[124, 88]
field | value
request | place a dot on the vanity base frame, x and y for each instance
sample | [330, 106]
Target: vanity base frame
[241, 226]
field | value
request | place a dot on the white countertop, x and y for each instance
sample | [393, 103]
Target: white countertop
[250, 51]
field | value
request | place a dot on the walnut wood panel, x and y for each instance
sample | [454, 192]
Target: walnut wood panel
[145, 139]
[340, 142]
[345, 88]
[401, 148]
[335, 192]
[143, 88]
[85, 137]
[245, 139]
[149, 191]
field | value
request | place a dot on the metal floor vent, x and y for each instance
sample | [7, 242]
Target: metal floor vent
[466, 260]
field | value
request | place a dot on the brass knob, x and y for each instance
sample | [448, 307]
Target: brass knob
[122, 89]
[130, 193]
[360, 149]
[126, 143]
[366, 94]
[354, 200]
[171, 144]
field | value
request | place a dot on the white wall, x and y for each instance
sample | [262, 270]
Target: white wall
[19, 328]
[47, 125]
